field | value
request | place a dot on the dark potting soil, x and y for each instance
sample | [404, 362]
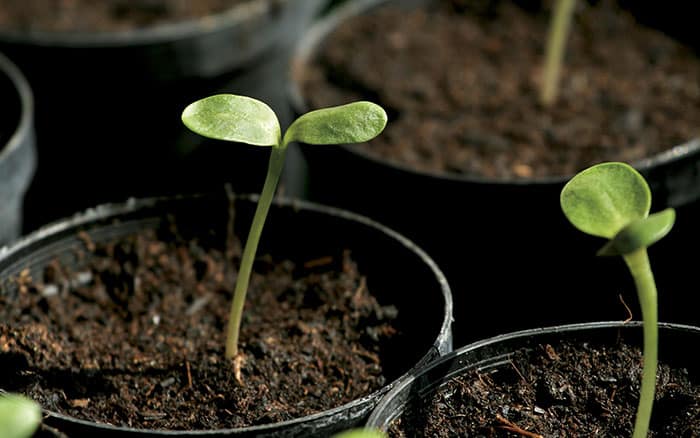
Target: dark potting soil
[103, 15]
[460, 83]
[560, 390]
[135, 336]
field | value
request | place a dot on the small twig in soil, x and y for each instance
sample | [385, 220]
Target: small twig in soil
[512, 427]
[189, 374]
[87, 241]
[24, 280]
[348, 385]
[629, 312]
[347, 266]
[366, 354]
[359, 291]
[550, 352]
[613, 394]
[519, 373]
[149, 391]
[485, 379]
[321, 261]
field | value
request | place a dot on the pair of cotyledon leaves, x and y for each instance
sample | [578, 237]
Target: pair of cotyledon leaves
[612, 200]
[247, 120]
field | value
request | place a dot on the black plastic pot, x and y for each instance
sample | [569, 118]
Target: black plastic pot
[490, 355]
[494, 238]
[109, 103]
[397, 272]
[17, 148]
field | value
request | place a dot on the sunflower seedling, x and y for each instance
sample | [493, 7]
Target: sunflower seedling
[612, 200]
[245, 120]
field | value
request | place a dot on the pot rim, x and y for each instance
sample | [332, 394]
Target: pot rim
[375, 419]
[26, 99]
[108, 210]
[180, 30]
[308, 46]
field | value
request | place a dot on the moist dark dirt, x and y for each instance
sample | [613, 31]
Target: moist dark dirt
[460, 81]
[103, 15]
[558, 390]
[134, 336]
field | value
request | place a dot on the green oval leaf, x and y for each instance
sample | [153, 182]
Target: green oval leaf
[641, 233]
[361, 433]
[19, 416]
[605, 198]
[352, 123]
[233, 118]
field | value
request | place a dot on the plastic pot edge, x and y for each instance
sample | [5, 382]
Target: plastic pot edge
[18, 154]
[26, 124]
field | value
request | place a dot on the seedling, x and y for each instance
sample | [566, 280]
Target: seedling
[246, 120]
[19, 416]
[554, 55]
[612, 200]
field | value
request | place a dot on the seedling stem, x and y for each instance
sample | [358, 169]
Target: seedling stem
[556, 42]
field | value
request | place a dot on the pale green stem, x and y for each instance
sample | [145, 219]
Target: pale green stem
[556, 41]
[638, 263]
[251, 247]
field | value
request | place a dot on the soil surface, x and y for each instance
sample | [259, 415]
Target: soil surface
[135, 336]
[460, 82]
[103, 15]
[560, 390]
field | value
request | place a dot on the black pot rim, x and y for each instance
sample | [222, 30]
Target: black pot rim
[105, 211]
[374, 420]
[313, 39]
[26, 98]
[180, 30]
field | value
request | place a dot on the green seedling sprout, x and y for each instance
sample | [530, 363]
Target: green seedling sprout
[612, 200]
[20, 416]
[245, 120]
[556, 41]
